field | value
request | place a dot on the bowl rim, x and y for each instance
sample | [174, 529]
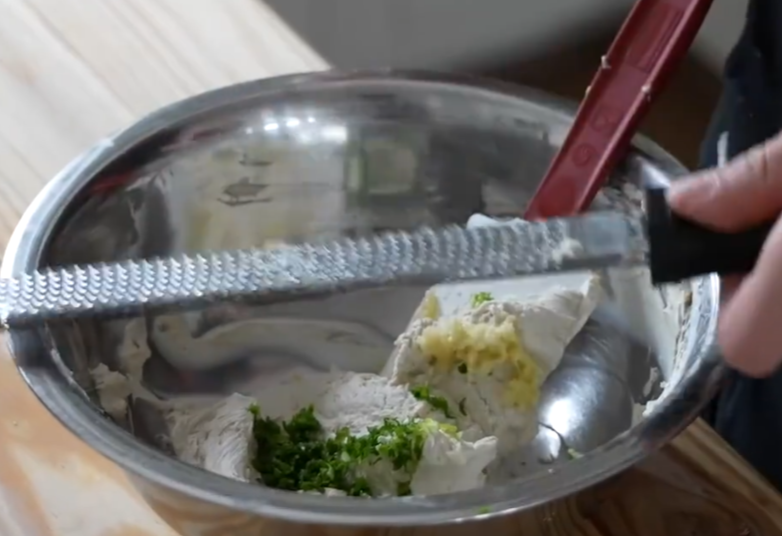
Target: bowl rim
[77, 414]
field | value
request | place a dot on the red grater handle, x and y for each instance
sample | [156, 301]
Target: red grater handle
[649, 46]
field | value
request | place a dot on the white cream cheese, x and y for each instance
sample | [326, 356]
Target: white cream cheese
[115, 387]
[544, 327]
[450, 465]
[217, 436]
[113, 390]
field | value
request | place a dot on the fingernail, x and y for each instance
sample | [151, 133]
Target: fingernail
[683, 191]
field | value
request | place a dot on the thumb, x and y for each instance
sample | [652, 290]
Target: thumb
[745, 192]
[748, 333]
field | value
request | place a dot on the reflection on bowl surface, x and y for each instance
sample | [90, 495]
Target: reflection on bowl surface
[312, 157]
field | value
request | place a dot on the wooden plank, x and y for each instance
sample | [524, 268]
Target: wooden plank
[72, 71]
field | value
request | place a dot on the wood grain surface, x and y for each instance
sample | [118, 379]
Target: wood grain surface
[72, 71]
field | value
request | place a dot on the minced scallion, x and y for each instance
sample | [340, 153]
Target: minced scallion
[481, 297]
[296, 455]
[422, 392]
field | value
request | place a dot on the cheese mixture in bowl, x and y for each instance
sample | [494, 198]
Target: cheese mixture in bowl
[458, 394]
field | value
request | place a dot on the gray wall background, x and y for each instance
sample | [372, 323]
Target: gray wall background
[456, 33]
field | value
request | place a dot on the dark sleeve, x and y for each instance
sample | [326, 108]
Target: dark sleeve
[748, 412]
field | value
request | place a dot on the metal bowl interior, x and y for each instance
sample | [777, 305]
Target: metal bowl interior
[315, 156]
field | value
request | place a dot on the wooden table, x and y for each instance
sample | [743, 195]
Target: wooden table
[72, 71]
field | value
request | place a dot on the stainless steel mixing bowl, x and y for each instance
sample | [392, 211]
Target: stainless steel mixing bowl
[312, 156]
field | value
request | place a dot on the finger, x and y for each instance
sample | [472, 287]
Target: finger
[745, 192]
[750, 335]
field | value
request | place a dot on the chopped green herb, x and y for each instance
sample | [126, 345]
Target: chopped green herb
[484, 510]
[360, 488]
[303, 427]
[462, 368]
[295, 455]
[461, 406]
[403, 489]
[402, 444]
[481, 297]
[422, 392]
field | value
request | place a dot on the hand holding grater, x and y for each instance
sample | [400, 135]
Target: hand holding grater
[674, 249]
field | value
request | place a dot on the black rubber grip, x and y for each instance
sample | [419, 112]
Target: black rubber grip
[680, 249]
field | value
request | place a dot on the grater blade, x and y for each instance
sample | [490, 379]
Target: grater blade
[425, 256]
